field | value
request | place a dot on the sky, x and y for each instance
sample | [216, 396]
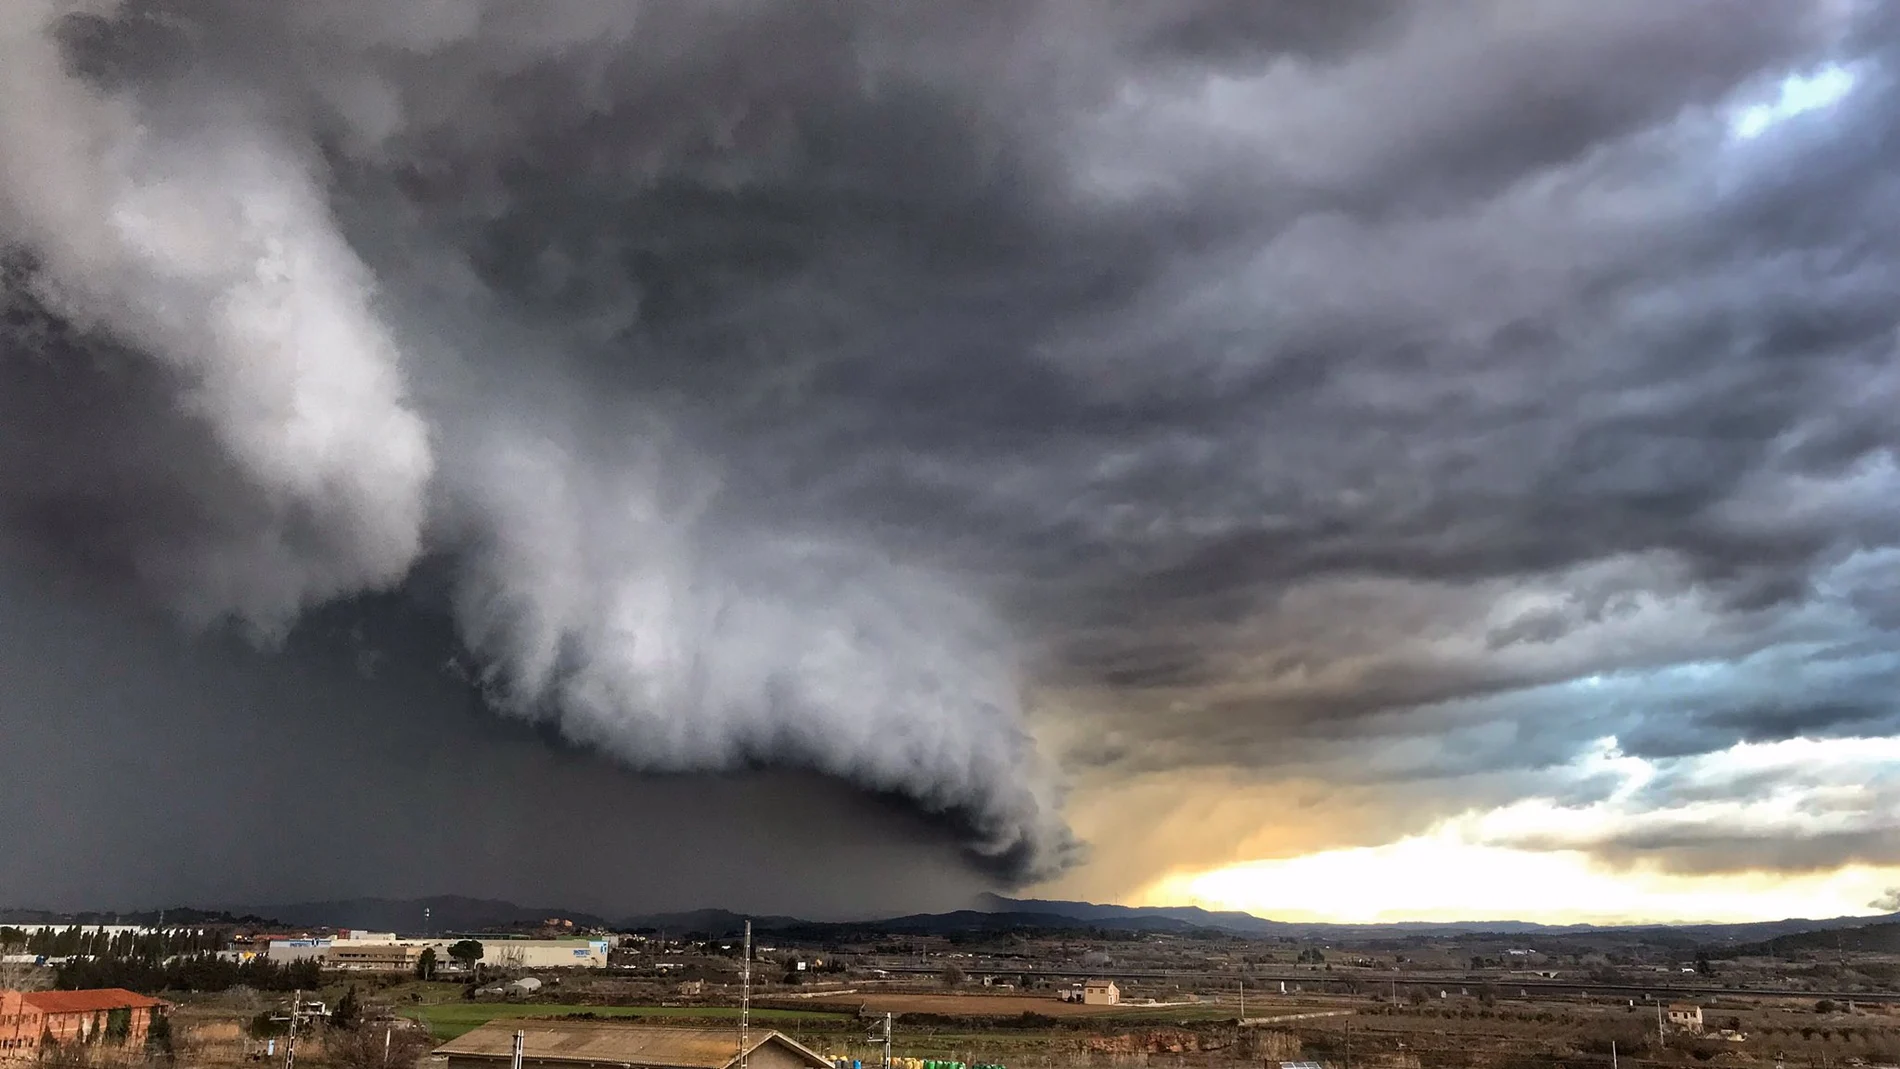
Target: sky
[1381, 460]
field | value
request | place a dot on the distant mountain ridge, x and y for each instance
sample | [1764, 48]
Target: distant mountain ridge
[991, 913]
[1110, 915]
[1192, 916]
[1882, 938]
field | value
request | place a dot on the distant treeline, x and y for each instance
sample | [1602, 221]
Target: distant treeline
[79, 942]
[202, 972]
[175, 916]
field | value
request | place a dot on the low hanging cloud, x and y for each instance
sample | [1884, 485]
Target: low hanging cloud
[1406, 397]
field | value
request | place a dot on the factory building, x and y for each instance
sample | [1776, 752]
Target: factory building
[541, 953]
[283, 951]
[375, 957]
[386, 953]
[559, 1044]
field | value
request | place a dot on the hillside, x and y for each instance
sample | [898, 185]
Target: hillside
[1882, 938]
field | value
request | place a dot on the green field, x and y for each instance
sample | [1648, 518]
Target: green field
[446, 1020]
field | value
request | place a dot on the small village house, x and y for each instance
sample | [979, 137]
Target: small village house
[1101, 993]
[1685, 1017]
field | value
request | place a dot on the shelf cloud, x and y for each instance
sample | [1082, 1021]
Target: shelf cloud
[989, 406]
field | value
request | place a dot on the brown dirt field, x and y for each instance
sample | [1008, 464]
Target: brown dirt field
[964, 1005]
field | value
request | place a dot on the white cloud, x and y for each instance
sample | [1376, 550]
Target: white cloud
[1797, 94]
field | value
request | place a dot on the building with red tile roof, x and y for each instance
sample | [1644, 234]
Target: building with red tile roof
[113, 1016]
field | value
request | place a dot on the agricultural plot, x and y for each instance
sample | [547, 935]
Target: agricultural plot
[446, 1020]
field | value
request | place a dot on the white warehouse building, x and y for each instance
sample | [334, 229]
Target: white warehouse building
[496, 953]
[542, 953]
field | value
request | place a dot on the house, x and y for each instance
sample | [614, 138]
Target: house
[1101, 993]
[551, 1044]
[1685, 1016]
[110, 1016]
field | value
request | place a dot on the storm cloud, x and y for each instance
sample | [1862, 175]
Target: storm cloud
[980, 404]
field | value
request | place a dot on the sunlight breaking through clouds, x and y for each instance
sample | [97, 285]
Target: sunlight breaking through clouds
[1798, 93]
[1556, 857]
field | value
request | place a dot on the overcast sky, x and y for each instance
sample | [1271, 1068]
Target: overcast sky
[1203, 450]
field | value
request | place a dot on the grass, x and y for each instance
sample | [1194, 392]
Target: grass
[446, 1020]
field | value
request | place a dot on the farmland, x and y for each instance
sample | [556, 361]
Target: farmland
[975, 1005]
[450, 1019]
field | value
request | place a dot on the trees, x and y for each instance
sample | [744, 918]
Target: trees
[425, 965]
[951, 976]
[204, 972]
[348, 1012]
[465, 953]
[158, 1037]
[377, 1046]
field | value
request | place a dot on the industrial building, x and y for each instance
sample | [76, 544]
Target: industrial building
[386, 953]
[558, 1044]
[375, 957]
[288, 950]
[541, 953]
[110, 1015]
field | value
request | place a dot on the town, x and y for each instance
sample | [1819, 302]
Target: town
[956, 991]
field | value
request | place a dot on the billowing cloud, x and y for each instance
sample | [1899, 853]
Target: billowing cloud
[1385, 405]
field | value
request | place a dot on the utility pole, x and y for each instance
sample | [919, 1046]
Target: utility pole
[884, 1035]
[290, 1045]
[1612, 1054]
[1348, 1043]
[521, 1042]
[387, 1030]
[745, 998]
[1243, 1000]
[1660, 1041]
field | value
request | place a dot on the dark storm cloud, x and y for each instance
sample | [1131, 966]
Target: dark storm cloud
[157, 769]
[1248, 384]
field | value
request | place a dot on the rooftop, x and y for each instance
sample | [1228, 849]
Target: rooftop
[91, 1001]
[613, 1042]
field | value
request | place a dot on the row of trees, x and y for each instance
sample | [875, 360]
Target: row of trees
[83, 942]
[202, 972]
